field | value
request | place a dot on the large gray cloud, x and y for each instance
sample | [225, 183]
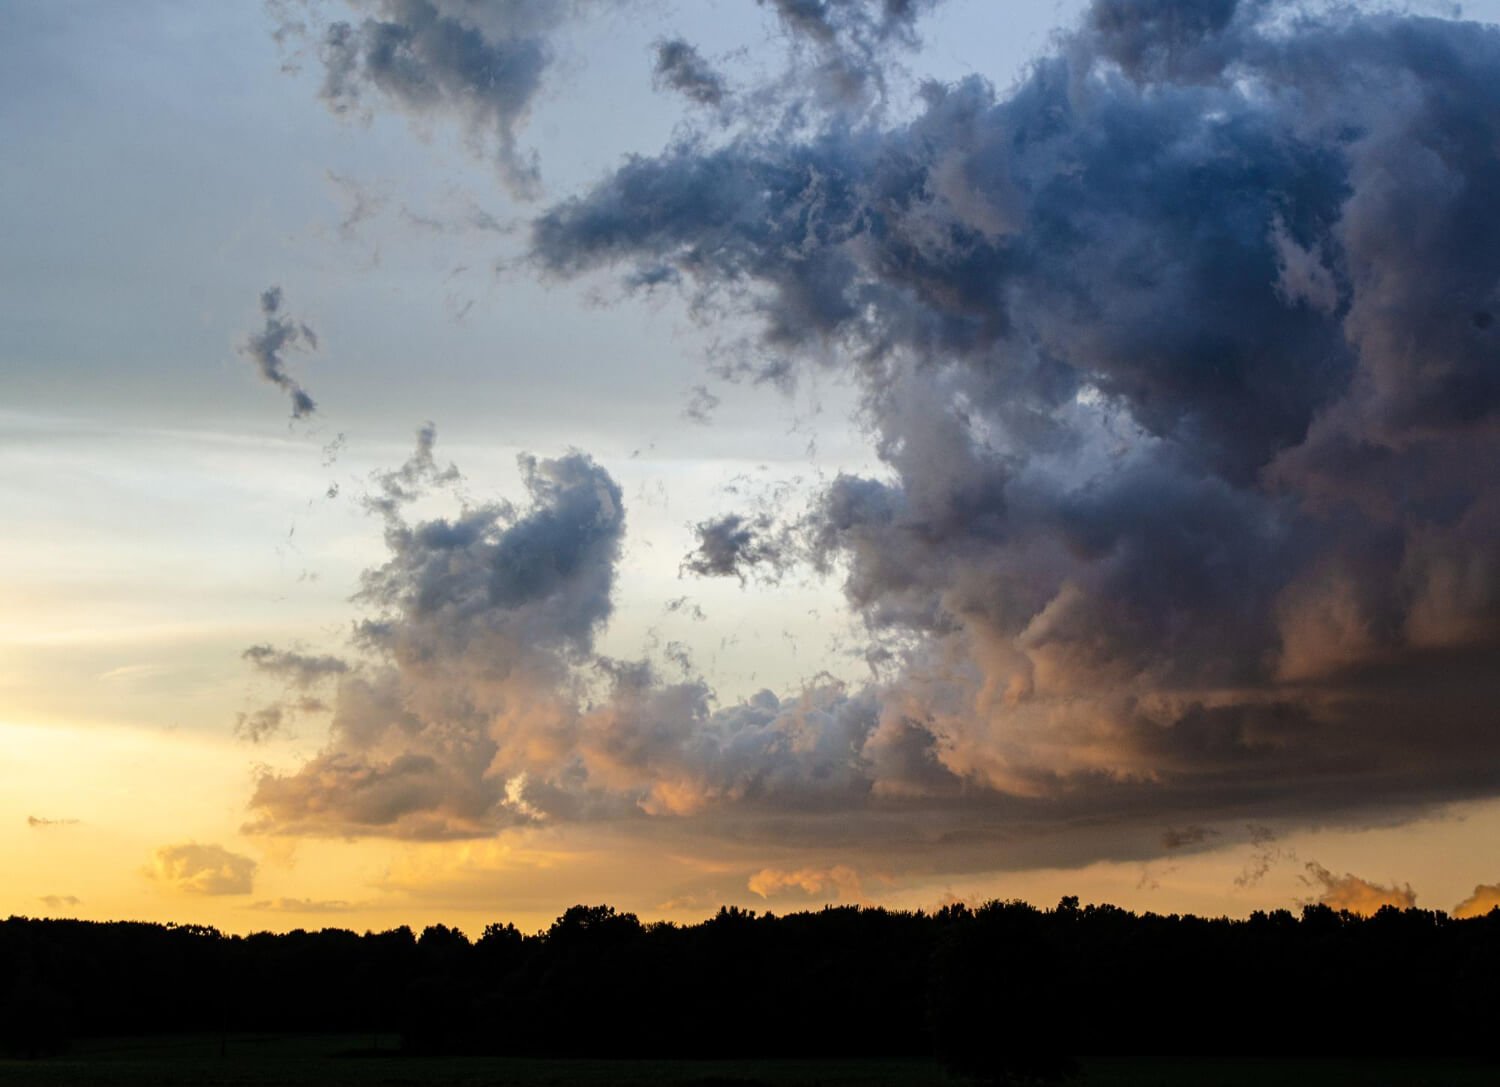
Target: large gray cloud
[1181, 362]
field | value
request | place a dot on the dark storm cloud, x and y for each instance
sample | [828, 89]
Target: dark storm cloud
[1181, 358]
[481, 63]
[1180, 361]
[680, 67]
[267, 349]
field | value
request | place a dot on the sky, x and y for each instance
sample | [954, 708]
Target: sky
[464, 458]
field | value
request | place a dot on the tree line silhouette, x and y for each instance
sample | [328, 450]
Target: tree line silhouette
[1005, 989]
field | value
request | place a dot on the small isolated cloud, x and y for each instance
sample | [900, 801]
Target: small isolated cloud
[39, 823]
[681, 68]
[840, 880]
[733, 546]
[1349, 892]
[302, 905]
[60, 902]
[268, 347]
[700, 408]
[481, 64]
[1486, 897]
[300, 670]
[203, 869]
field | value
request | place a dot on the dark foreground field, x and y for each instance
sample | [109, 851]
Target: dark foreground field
[365, 1061]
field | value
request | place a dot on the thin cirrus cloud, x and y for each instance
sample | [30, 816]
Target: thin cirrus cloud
[1179, 360]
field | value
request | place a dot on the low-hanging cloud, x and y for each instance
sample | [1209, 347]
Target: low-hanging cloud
[268, 347]
[203, 869]
[1486, 897]
[1349, 892]
[840, 881]
[302, 905]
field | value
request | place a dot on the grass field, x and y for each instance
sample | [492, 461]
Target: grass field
[362, 1061]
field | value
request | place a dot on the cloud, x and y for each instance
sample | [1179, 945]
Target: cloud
[302, 905]
[60, 902]
[267, 349]
[36, 822]
[733, 546]
[1486, 897]
[680, 67]
[700, 408]
[1349, 892]
[419, 474]
[480, 622]
[203, 869]
[299, 670]
[1264, 854]
[847, 43]
[260, 725]
[483, 64]
[1186, 837]
[840, 880]
[1179, 360]
[301, 673]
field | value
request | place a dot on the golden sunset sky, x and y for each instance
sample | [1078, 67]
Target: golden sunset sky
[459, 460]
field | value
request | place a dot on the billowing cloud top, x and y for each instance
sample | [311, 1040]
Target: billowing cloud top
[1181, 358]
